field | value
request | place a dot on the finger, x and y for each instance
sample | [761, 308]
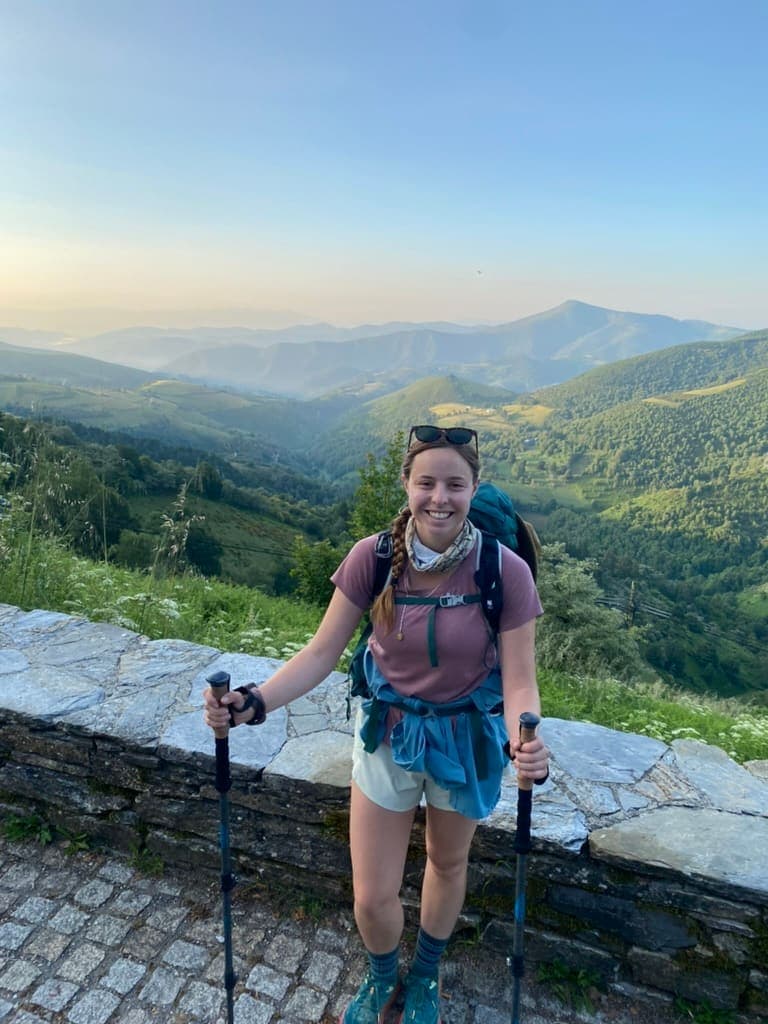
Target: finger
[534, 744]
[216, 716]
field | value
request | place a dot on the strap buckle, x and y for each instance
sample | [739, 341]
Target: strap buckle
[451, 600]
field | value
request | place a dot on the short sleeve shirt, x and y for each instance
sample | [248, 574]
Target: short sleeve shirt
[465, 650]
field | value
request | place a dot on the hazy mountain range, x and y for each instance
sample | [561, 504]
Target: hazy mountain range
[309, 360]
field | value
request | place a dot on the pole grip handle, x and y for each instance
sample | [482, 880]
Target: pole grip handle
[528, 724]
[219, 684]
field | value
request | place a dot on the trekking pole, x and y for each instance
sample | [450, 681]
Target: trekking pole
[219, 684]
[528, 723]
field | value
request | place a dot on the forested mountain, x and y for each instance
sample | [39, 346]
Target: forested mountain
[182, 413]
[696, 365]
[368, 427]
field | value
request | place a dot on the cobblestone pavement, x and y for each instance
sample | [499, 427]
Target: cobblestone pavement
[87, 939]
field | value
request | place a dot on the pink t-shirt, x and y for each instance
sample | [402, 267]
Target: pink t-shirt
[465, 650]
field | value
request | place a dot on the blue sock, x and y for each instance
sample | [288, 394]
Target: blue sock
[426, 960]
[384, 966]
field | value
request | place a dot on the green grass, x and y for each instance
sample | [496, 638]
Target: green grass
[146, 862]
[44, 574]
[574, 988]
[27, 828]
[701, 1013]
[657, 710]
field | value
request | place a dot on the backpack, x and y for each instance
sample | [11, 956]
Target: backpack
[494, 514]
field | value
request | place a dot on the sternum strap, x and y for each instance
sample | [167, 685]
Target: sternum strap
[446, 601]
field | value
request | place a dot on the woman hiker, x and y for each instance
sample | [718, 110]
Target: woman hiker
[404, 747]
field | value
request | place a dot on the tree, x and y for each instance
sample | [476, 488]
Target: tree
[375, 503]
[313, 566]
[203, 551]
[136, 550]
[208, 481]
[576, 633]
[379, 497]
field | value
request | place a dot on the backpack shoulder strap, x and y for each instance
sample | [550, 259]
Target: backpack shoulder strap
[488, 580]
[384, 551]
[357, 685]
[528, 544]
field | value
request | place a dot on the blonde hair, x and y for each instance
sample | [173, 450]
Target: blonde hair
[383, 608]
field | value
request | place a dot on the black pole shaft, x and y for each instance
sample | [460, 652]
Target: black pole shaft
[219, 683]
[227, 878]
[518, 941]
[528, 723]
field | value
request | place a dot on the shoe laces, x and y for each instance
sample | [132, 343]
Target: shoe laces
[421, 989]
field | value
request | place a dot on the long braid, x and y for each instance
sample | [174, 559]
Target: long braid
[383, 609]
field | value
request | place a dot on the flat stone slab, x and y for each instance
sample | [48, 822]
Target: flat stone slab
[724, 782]
[593, 753]
[702, 844]
[320, 757]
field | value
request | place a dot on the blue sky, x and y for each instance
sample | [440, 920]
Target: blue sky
[364, 162]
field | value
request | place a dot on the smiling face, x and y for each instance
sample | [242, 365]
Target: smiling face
[440, 485]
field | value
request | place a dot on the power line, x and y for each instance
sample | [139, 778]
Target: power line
[675, 621]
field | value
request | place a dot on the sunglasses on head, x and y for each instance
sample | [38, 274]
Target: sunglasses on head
[426, 434]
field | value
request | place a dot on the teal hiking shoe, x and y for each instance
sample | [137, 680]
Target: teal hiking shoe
[372, 1003]
[422, 1000]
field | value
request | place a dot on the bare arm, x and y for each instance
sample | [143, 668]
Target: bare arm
[305, 669]
[521, 693]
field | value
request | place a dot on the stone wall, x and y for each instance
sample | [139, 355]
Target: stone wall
[648, 869]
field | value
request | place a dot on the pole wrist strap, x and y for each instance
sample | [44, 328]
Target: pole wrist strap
[253, 699]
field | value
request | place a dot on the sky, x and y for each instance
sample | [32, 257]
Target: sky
[241, 161]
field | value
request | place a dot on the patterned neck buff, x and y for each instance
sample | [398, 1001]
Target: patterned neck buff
[423, 559]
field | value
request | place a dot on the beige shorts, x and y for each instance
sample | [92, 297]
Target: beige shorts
[387, 784]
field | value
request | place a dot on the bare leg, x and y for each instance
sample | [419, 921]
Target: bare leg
[449, 837]
[379, 846]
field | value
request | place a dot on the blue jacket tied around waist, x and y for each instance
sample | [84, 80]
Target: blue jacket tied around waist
[459, 744]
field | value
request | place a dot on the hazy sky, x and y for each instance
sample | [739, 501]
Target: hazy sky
[363, 161]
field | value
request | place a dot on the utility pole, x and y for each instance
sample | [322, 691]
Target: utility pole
[629, 615]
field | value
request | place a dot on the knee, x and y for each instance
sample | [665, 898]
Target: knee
[374, 902]
[447, 864]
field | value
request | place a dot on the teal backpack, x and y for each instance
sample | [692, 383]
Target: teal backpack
[494, 514]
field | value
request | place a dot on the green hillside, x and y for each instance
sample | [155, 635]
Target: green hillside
[211, 419]
[669, 493]
[67, 368]
[656, 468]
[369, 428]
[700, 364]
